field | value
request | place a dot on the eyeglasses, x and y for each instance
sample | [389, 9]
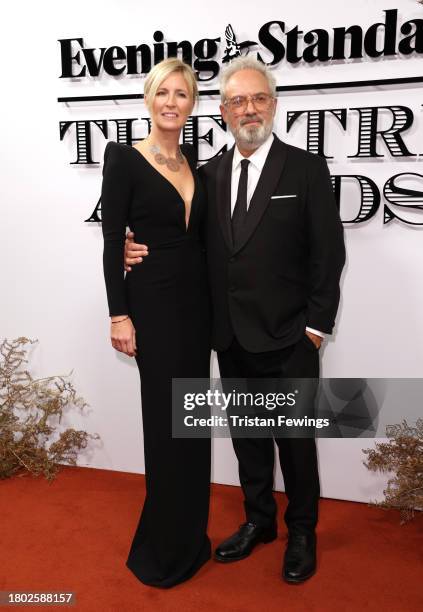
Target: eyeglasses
[261, 102]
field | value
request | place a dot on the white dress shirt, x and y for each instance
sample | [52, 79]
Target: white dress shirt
[255, 167]
[257, 161]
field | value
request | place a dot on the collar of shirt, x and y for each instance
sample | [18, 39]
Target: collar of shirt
[257, 159]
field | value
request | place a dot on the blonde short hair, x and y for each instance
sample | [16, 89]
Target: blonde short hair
[162, 70]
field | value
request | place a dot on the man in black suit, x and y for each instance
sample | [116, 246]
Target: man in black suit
[275, 252]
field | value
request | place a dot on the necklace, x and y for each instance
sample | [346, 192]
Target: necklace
[172, 163]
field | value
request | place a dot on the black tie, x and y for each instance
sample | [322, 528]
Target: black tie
[240, 211]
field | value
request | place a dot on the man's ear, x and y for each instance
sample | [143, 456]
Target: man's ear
[223, 112]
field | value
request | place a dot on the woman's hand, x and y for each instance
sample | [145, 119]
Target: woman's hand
[122, 335]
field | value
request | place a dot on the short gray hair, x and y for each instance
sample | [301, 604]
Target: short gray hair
[246, 63]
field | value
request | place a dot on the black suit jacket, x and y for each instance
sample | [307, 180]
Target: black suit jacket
[284, 273]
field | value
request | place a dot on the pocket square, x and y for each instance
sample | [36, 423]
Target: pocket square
[279, 197]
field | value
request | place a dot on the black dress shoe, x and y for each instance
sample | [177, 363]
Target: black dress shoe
[300, 557]
[242, 543]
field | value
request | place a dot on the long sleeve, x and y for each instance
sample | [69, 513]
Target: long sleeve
[327, 251]
[115, 202]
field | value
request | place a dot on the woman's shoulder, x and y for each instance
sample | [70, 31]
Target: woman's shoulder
[117, 155]
[117, 150]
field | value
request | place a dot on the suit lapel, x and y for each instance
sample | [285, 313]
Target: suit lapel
[223, 192]
[266, 186]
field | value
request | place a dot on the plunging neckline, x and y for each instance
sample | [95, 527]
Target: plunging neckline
[186, 225]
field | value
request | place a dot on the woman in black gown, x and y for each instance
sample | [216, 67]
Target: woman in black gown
[160, 314]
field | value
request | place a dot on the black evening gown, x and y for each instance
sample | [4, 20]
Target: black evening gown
[166, 297]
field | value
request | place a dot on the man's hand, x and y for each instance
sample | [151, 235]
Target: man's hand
[316, 340]
[134, 252]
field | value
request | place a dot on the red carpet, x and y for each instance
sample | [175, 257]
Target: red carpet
[74, 534]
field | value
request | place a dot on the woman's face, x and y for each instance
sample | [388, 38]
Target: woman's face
[172, 103]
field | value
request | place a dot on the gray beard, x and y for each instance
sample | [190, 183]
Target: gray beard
[252, 137]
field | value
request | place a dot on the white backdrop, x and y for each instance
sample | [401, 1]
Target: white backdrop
[51, 279]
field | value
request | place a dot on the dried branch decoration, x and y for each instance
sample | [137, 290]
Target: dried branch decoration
[26, 405]
[403, 455]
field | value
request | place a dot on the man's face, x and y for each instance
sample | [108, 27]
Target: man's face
[250, 123]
